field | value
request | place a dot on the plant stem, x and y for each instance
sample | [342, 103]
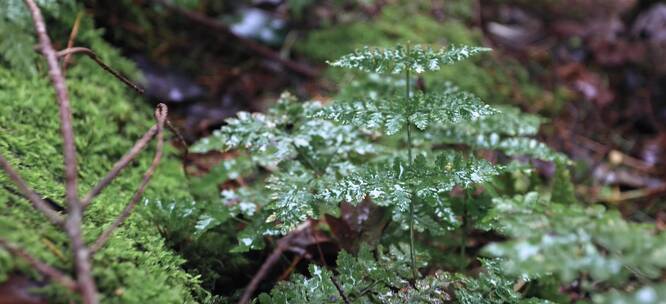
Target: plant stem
[411, 165]
[463, 239]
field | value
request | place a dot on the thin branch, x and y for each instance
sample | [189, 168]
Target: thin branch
[186, 154]
[88, 52]
[72, 37]
[253, 46]
[30, 194]
[282, 245]
[340, 291]
[120, 165]
[73, 224]
[63, 99]
[160, 115]
[54, 274]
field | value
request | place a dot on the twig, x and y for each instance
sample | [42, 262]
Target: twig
[63, 99]
[321, 253]
[54, 274]
[70, 41]
[340, 291]
[75, 213]
[120, 165]
[182, 142]
[88, 52]
[160, 116]
[282, 245]
[30, 194]
[250, 44]
[287, 272]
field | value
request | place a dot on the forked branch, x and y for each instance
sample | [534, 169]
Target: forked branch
[160, 116]
[88, 52]
[50, 272]
[30, 194]
[120, 165]
[72, 225]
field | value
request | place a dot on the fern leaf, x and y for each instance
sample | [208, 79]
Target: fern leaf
[367, 279]
[569, 240]
[449, 107]
[505, 131]
[287, 132]
[416, 58]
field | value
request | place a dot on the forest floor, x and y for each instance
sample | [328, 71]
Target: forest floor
[596, 73]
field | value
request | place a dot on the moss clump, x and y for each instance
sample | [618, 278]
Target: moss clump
[135, 266]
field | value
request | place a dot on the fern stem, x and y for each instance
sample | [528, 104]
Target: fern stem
[411, 166]
[463, 239]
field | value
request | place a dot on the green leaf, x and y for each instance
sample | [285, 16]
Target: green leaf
[571, 240]
[648, 294]
[288, 132]
[395, 184]
[563, 190]
[504, 131]
[292, 199]
[448, 107]
[416, 58]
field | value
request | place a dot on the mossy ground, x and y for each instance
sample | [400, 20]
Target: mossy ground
[135, 266]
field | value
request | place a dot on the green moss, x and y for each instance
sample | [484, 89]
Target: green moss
[135, 266]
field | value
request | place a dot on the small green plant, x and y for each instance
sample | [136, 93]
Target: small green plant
[417, 156]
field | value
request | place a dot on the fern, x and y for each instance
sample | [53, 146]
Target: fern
[551, 238]
[366, 279]
[391, 146]
[415, 58]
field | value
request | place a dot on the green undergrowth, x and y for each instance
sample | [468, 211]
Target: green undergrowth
[135, 266]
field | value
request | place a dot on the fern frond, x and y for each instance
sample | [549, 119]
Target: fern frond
[395, 184]
[416, 58]
[449, 107]
[366, 279]
[505, 131]
[391, 113]
[571, 240]
[649, 294]
[286, 132]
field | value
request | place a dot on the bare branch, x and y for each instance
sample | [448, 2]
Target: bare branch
[73, 224]
[120, 165]
[72, 37]
[54, 274]
[282, 245]
[340, 291]
[86, 51]
[160, 115]
[63, 99]
[30, 194]
[253, 46]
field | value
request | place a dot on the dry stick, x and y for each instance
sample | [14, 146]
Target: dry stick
[340, 291]
[30, 194]
[250, 44]
[182, 142]
[75, 214]
[52, 273]
[86, 51]
[160, 115]
[282, 245]
[120, 165]
[72, 37]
